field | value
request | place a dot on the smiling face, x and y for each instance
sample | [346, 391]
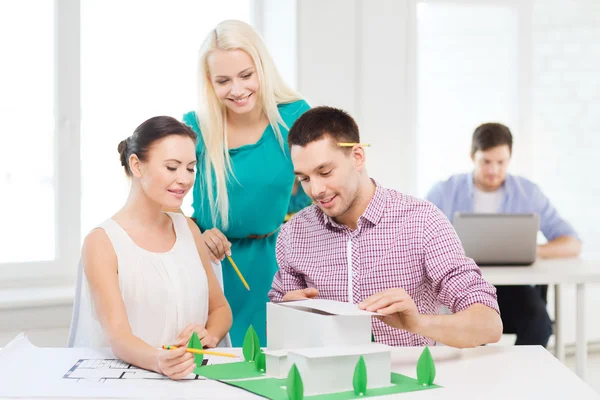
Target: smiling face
[234, 79]
[329, 174]
[168, 173]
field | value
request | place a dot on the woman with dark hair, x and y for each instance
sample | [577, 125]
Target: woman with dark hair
[148, 278]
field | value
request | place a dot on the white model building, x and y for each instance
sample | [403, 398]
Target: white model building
[325, 340]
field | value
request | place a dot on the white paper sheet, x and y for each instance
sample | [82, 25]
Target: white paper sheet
[328, 306]
[27, 371]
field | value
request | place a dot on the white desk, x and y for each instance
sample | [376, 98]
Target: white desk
[494, 372]
[490, 372]
[557, 272]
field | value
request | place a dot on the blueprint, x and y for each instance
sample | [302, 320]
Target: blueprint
[27, 371]
[112, 368]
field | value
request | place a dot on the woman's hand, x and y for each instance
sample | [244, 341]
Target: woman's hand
[217, 244]
[176, 364]
[205, 337]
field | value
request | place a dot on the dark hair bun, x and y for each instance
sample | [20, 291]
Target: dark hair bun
[123, 152]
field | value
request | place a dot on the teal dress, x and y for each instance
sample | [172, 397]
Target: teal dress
[259, 198]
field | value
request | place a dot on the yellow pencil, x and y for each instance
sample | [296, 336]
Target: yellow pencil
[238, 272]
[198, 351]
[352, 144]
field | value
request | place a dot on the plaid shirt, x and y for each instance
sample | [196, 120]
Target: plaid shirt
[400, 242]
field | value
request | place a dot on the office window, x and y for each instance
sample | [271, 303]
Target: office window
[139, 60]
[467, 74]
[27, 152]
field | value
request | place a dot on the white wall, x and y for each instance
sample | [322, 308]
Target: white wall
[356, 55]
[276, 20]
[45, 323]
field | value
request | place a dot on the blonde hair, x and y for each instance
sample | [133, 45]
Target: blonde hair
[212, 115]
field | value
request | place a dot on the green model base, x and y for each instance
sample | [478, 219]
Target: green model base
[275, 389]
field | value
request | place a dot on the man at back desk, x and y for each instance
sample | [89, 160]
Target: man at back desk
[490, 189]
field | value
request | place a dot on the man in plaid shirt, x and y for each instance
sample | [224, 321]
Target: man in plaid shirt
[375, 247]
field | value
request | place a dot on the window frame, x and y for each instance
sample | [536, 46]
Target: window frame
[66, 180]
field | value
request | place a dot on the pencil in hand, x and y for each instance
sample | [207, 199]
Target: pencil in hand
[199, 351]
[238, 272]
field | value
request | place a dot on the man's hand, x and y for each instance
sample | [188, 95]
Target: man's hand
[399, 309]
[308, 293]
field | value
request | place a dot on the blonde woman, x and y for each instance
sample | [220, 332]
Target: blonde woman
[245, 174]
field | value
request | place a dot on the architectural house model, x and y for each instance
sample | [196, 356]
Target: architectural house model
[324, 339]
[318, 348]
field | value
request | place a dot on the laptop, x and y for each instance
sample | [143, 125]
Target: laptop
[498, 239]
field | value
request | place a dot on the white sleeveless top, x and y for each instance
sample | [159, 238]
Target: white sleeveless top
[163, 292]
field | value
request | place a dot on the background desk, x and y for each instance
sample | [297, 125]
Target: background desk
[557, 272]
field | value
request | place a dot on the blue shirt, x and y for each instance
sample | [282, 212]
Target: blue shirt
[521, 196]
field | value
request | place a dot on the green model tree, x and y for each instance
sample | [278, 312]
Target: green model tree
[195, 343]
[294, 385]
[260, 361]
[425, 368]
[251, 345]
[359, 382]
